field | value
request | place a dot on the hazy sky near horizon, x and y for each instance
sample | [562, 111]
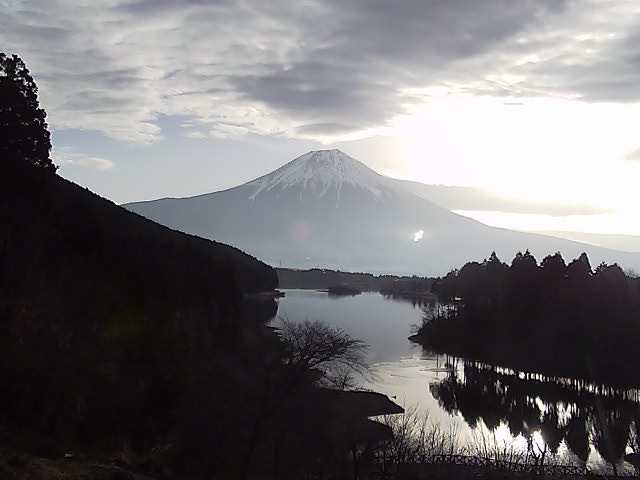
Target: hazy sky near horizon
[533, 100]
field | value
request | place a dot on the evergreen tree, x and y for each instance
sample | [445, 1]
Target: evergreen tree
[24, 133]
[554, 268]
[580, 268]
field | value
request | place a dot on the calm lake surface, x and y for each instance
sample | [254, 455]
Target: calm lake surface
[579, 421]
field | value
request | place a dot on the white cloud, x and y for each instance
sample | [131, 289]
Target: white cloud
[69, 157]
[313, 69]
[633, 156]
[195, 134]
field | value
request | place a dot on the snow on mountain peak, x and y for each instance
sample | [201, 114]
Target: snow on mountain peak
[319, 172]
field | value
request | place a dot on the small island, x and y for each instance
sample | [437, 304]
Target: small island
[343, 290]
[413, 288]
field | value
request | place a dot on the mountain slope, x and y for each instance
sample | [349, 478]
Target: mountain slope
[64, 223]
[624, 243]
[105, 315]
[328, 209]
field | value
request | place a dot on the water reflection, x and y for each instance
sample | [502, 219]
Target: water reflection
[592, 423]
[382, 323]
[425, 302]
[573, 412]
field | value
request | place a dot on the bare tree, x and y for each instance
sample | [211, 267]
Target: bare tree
[330, 352]
[315, 353]
[415, 439]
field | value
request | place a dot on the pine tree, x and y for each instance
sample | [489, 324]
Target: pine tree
[24, 133]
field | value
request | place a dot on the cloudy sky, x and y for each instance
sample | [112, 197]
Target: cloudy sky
[534, 101]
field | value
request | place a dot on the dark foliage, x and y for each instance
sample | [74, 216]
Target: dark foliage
[23, 127]
[102, 312]
[552, 317]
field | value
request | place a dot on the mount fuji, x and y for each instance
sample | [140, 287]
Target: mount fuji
[327, 209]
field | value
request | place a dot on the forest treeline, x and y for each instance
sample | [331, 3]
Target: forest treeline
[554, 317]
[322, 278]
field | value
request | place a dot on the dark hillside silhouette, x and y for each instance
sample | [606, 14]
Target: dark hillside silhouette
[553, 317]
[96, 300]
[123, 338]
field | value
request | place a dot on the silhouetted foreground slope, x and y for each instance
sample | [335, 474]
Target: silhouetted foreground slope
[122, 339]
[53, 226]
[106, 317]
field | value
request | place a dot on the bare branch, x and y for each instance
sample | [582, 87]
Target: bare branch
[321, 347]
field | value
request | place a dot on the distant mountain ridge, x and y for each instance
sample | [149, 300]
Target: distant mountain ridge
[622, 242]
[327, 209]
[454, 197]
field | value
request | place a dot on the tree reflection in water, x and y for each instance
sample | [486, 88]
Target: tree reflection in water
[574, 411]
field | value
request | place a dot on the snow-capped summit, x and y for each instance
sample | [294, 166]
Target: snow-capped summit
[320, 172]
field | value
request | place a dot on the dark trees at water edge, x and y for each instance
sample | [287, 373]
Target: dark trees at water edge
[23, 126]
[553, 317]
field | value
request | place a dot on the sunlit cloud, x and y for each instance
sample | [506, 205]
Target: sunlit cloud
[543, 151]
[68, 157]
[115, 66]
[634, 156]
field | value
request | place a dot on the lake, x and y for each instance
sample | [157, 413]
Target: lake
[481, 403]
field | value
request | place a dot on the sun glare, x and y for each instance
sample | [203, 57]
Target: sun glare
[577, 156]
